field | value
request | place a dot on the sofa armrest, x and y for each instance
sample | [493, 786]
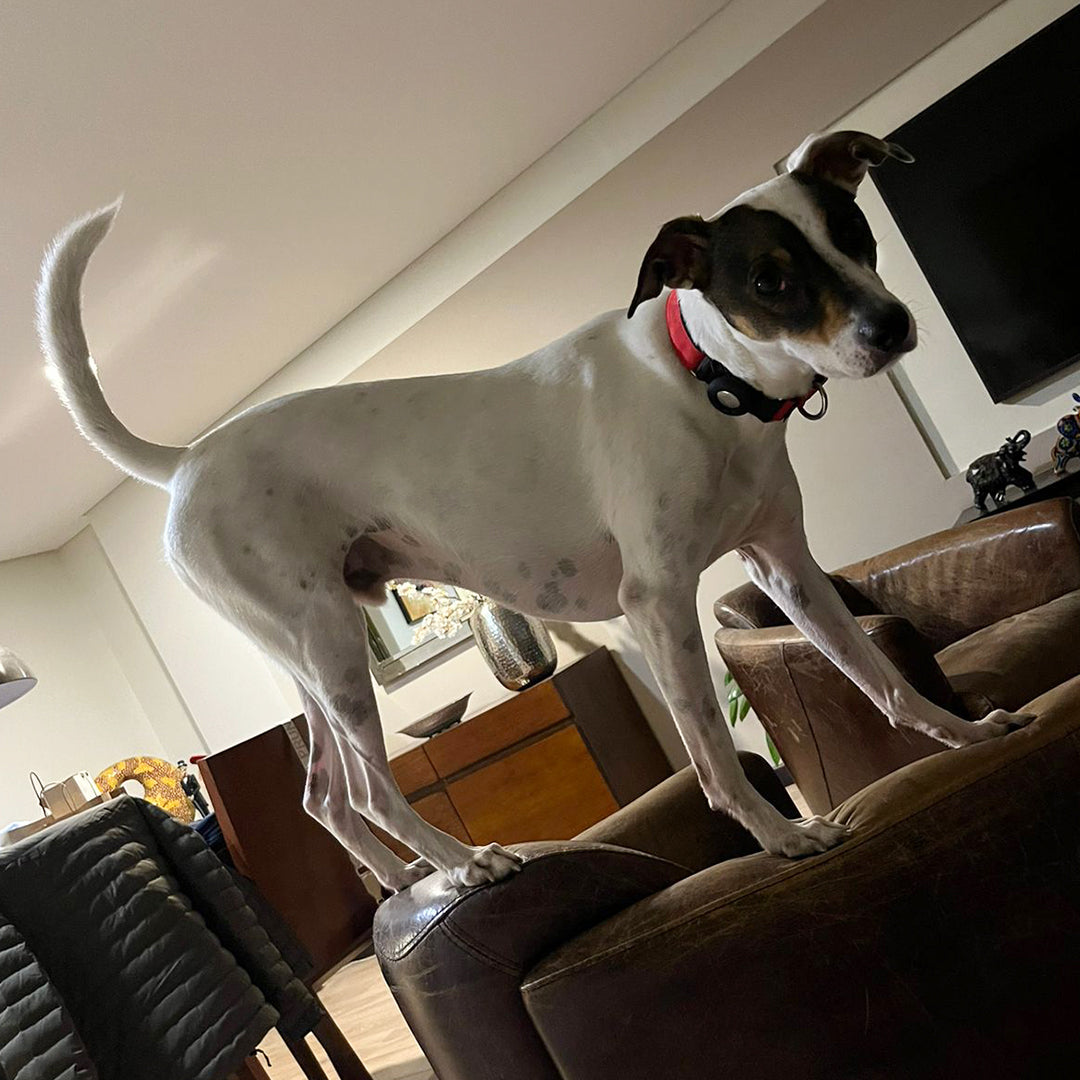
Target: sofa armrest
[674, 821]
[815, 714]
[454, 958]
[955, 582]
[747, 607]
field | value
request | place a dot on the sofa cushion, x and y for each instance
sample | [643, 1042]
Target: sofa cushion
[1007, 664]
[885, 958]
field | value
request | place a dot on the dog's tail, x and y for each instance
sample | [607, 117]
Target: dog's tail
[67, 357]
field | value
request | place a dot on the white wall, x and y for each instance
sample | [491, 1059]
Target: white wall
[582, 259]
[83, 713]
[223, 680]
[102, 595]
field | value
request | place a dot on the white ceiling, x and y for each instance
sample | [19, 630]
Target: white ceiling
[280, 162]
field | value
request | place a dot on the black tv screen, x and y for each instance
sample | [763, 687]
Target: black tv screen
[989, 208]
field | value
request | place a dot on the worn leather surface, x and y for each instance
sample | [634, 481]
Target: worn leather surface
[1005, 665]
[747, 606]
[932, 594]
[955, 582]
[674, 821]
[454, 958]
[451, 956]
[831, 737]
[164, 972]
[936, 943]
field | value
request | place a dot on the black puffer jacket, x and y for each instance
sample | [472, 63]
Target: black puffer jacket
[127, 952]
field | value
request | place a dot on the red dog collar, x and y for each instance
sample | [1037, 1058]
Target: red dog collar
[726, 391]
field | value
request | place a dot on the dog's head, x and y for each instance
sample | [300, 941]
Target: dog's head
[790, 265]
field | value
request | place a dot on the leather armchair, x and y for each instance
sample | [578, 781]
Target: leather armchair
[932, 943]
[978, 617]
[455, 959]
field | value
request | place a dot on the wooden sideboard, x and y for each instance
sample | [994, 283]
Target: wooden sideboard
[542, 765]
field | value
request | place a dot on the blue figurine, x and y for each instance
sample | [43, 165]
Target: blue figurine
[1068, 446]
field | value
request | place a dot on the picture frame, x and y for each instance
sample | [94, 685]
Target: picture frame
[414, 608]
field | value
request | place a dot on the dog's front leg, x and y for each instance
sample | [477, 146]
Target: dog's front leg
[783, 568]
[663, 614]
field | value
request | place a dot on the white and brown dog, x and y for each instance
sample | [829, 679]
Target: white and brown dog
[283, 517]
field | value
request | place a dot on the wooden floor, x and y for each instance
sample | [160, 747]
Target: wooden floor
[364, 1009]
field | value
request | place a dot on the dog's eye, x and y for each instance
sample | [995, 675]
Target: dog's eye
[768, 281]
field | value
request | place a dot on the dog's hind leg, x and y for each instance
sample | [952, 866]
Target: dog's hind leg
[334, 663]
[298, 608]
[326, 800]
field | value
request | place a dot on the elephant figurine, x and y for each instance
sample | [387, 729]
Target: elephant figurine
[991, 474]
[1068, 444]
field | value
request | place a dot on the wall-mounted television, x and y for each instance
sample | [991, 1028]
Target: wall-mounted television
[990, 208]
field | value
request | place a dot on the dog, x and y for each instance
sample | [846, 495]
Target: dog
[605, 478]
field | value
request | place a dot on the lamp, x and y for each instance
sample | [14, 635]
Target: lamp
[15, 677]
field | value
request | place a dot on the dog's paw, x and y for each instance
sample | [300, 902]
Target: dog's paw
[806, 836]
[489, 863]
[998, 723]
[409, 874]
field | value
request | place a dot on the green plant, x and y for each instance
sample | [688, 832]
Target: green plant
[738, 707]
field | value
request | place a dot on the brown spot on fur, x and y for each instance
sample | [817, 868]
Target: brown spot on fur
[745, 327]
[834, 316]
[318, 784]
[350, 706]
[551, 597]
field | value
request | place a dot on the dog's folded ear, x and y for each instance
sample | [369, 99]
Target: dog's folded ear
[842, 157]
[678, 258]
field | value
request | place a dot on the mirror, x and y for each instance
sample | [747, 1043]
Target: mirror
[391, 626]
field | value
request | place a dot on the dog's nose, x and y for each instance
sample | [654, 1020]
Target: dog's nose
[888, 329]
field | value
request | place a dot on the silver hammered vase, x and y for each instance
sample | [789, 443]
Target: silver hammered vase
[517, 647]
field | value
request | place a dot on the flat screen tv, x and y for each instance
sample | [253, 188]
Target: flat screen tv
[989, 208]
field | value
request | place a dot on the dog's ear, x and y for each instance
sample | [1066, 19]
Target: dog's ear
[677, 258]
[842, 157]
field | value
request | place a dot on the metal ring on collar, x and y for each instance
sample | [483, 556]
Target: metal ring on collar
[824, 405]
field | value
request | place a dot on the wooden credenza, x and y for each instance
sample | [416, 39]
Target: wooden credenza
[543, 765]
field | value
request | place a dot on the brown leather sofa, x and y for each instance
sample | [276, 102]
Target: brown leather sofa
[938, 942]
[979, 617]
